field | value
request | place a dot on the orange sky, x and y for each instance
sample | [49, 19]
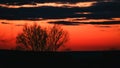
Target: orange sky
[82, 37]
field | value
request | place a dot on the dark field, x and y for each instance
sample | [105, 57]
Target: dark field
[38, 59]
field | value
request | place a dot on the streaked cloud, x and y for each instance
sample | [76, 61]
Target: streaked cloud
[57, 4]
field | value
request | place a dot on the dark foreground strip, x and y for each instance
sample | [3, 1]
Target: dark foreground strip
[21, 58]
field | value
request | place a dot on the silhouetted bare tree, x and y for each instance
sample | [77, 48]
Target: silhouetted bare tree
[40, 39]
[56, 37]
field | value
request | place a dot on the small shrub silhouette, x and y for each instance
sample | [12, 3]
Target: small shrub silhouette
[36, 38]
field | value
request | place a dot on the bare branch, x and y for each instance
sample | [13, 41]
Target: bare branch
[40, 39]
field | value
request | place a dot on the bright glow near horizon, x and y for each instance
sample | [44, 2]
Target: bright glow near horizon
[84, 37]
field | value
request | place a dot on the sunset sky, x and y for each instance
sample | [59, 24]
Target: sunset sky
[91, 24]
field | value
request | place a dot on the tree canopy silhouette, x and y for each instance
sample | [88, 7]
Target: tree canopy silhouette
[36, 38]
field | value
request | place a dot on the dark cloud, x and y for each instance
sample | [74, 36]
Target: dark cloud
[78, 23]
[105, 6]
[102, 10]
[107, 0]
[5, 23]
[105, 22]
[97, 12]
[65, 23]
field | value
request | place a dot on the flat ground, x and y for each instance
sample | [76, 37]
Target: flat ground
[38, 59]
